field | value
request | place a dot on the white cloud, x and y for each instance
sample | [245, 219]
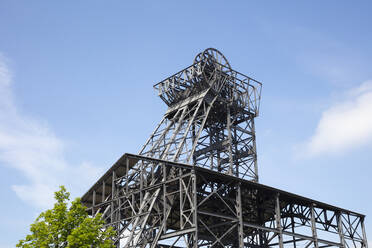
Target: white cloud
[31, 147]
[346, 124]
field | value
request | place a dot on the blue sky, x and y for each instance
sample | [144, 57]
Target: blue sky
[76, 92]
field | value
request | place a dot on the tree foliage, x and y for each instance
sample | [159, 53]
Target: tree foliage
[66, 226]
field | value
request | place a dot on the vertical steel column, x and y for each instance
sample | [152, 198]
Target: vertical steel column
[164, 198]
[141, 181]
[293, 231]
[277, 218]
[127, 175]
[228, 126]
[94, 202]
[103, 191]
[261, 234]
[365, 242]
[239, 211]
[112, 202]
[180, 178]
[340, 229]
[254, 148]
[234, 141]
[211, 153]
[112, 196]
[166, 209]
[313, 226]
[195, 202]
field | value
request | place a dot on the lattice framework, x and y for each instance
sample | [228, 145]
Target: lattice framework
[195, 181]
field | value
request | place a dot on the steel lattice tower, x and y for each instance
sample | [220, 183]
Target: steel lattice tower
[195, 181]
[210, 119]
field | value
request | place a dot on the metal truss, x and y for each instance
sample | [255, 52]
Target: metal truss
[195, 181]
[158, 203]
[210, 118]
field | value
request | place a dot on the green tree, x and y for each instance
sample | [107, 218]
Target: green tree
[67, 227]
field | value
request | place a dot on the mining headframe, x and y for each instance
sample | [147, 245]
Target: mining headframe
[195, 181]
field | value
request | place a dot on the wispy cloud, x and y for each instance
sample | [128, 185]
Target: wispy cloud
[30, 146]
[344, 125]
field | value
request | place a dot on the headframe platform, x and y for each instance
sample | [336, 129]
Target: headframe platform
[195, 181]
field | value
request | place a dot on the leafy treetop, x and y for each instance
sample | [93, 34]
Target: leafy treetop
[68, 227]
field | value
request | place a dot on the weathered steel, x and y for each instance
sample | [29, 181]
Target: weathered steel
[210, 118]
[206, 210]
[195, 181]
